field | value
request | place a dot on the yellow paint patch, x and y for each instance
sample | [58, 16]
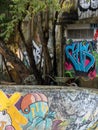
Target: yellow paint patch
[47, 108]
[33, 112]
[44, 107]
[8, 104]
[37, 108]
[94, 127]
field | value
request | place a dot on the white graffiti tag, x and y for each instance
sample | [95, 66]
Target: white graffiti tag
[37, 52]
[88, 4]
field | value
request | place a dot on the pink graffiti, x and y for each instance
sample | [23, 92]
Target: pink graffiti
[9, 127]
[68, 66]
[91, 74]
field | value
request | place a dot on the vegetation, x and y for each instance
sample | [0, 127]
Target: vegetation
[38, 14]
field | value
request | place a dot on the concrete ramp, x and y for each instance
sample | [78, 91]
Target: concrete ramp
[48, 108]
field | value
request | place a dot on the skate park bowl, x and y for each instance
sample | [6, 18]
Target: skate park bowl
[48, 108]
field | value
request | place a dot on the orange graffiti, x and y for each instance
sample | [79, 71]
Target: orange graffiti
[2, 125]
[30, 99]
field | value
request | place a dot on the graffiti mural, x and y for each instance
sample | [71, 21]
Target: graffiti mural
[78, 56]
[38, 55]
[5, 121]
[10, 117]
[84, 5]
[60, 110]
[27, 112]
[34, 107]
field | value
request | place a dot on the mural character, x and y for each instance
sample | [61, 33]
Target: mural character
[34, 107]
[29, 112]
[10, 117]
[5, 121]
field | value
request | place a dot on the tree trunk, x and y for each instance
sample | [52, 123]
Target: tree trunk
[28, 46]
[20, 68]
[7, 69]
[33, 67]
[44, 36]
[54, 45]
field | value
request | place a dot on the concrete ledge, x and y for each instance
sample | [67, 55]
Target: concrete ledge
[29, 107]
[45, 87]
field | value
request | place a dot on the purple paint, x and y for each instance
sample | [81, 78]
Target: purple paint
[18, 104]
[56, 124]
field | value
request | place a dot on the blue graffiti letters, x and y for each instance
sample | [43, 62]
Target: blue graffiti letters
[80, 56]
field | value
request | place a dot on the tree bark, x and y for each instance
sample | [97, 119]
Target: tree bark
[7, 69]
[28, 46]
[20, 68]
[44, 36]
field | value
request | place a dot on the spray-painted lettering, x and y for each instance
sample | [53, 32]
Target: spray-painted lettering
[80, 57]
[84, 5]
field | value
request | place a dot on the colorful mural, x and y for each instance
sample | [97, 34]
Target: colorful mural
[10, 117]
[27, 112]
[79, 57]
[34, 107]
[76, 110]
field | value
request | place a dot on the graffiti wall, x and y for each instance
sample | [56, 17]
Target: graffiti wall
[51, 109]
[85, 5]
[87, 8]
[81, 59]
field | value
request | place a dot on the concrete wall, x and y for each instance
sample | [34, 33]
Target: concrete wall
[48, 108]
